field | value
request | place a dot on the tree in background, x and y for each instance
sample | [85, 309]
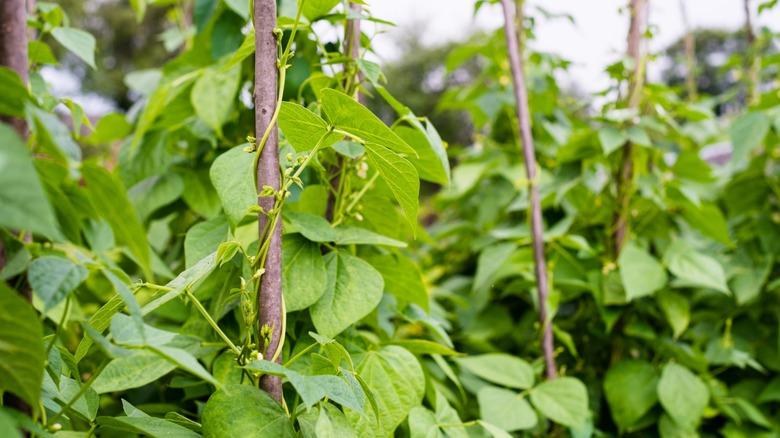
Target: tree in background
[719, 64]
[124, 44]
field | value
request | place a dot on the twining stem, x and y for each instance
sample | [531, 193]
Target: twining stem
[356, 199]
[637, 10]
[524, 121]
[351, 83]
[211, 321]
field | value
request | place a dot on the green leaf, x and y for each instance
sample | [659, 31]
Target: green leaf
[422, 346]
[245, 411]
[402, 278]
[694, 269]
[676, 309]
[748, 282]
[80, 43]
[489, 262]
[138, 422]
[203, 238]
[246, 49]
[240, 7]
[110, 127]
[667, 428]
[708, 219]
[65, 391]
[108, 196]
[184, 280]
[500, 368]
[400, 176]
[146, 426]
[505, 409]
[423, 424]
[314, 9]
[302, 128]
[325, 421]
[747, 133]
[640, 272]
[134, 371]
[213, 95]
[346, 114]
[14, 96]
[349, 149]
[563, 400]
[200, 194]
[54, 278]
[154, 193]
[126, 331]
[233, 176]
[304, 277]
[611, 139]
[398, 382]
[495, 431]
[360, 236]
[226, 252]
[683, 395]
[430, 166]
[630, 389]
[312, 389]
[639, 136]
[313, 227]
[25, 206]
[22, 357]
[99, 322]
[40, 53]
[8, 427]
[185, 361]
[53, 136]
[353, 290]
[139, 6]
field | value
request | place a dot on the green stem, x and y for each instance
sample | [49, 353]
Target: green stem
[57, 330]
[300, 354]
[83, 390]
[354, 202]
[211, 321]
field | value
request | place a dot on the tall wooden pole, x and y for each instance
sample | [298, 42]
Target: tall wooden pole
[13, 48]
[269, 297]
[13, 54]
[524, 121]
[752, 60]
[690, 54]
[638, 10]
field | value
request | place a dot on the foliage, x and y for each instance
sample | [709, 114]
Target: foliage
[144, 266]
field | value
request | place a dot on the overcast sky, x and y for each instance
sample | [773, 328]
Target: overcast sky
[596, 40]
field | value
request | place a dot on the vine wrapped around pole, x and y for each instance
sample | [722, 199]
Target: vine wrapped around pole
[524, 121]
[637, 10]
[269, 297]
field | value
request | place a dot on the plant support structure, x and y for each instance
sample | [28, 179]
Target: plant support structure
[269, 296]
[524, 121]
[637, 9]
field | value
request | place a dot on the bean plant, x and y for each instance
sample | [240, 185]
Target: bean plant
[139, 258]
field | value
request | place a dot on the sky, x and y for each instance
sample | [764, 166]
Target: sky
[596, 40]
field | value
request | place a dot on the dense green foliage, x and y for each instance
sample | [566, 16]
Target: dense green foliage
[143, 257]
